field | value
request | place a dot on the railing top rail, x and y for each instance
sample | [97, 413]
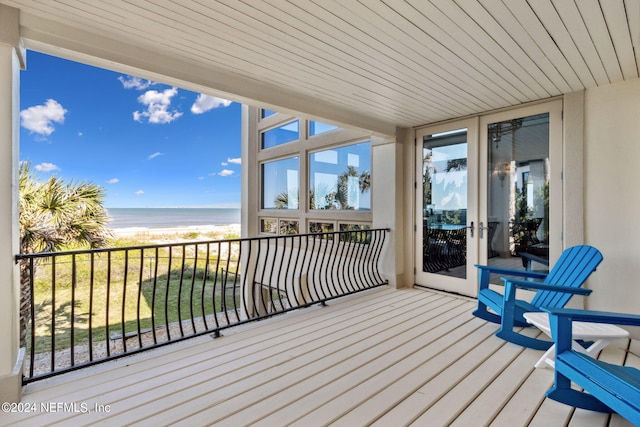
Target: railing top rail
[19, 257]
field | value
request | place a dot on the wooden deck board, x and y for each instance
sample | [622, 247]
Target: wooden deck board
[495, 395]
[383, 357]
[331, 359]
[383, 354]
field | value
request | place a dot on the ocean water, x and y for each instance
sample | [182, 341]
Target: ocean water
[171, 217]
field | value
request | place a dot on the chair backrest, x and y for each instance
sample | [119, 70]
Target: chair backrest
[572, 269]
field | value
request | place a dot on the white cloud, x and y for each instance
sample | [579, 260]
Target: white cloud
[40, 118]
[224, 164]
[157, 104]
[236, 160]
[139, 192]
[113, 181]
[200, 178]
[132, 82]
[205, 103]
[225, 172]
[154, 155]
[46, 167]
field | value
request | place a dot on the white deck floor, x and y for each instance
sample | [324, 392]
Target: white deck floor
[385, 357]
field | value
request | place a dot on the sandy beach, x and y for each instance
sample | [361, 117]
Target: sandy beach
[183, 232]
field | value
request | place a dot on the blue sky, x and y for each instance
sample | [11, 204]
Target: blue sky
[146, 143]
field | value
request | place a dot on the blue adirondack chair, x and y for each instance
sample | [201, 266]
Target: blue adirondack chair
[552, 290]
[607, 387]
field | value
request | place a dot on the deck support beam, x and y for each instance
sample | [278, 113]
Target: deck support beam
[12, 59]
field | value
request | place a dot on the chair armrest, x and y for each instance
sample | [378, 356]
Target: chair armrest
[533, 257]
[595, 316]
[485, 271]
[525, 284]
[561, 323]
[510, 272]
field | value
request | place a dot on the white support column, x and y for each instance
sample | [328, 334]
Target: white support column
[250, 172]
[11, 59]
[573, 170]
[388, 203]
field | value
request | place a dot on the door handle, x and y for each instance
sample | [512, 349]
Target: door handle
[481, 229]
[471, 228]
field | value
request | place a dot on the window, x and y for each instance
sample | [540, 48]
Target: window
[340, 178]
[313, 177]
[316, 128]
[362, 237]
[269, 226]
[280, 184]
[266, 113]
[320, 227]
[281, 135]
[355, 227]
[288, 226]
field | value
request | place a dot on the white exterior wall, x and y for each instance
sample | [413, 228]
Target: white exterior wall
[388, 204]
[612, 194]
[10, 56]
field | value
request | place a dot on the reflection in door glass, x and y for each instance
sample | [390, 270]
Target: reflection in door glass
[444, 181]
[518, 193]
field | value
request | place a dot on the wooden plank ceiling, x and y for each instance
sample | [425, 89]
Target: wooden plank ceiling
[376, 64]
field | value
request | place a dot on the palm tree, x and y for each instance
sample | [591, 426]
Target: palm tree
[365, 181]
[56, 214]
[341, 197]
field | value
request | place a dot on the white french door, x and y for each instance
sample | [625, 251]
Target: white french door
[488, 191]
[447, 205]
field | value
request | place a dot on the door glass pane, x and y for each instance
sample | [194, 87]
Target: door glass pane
[444, 181]
[518, 193]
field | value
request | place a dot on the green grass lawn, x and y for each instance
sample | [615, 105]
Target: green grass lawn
[160, 289]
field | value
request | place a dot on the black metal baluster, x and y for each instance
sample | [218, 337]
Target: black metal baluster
[193, 283]
[215, 289]
[140, 278]
[53, 313]
[166, 294]
[320, 294]
[306, 269]
[337, 271]
[91, 286]
[261, 284]
[32, 314]
[350, 259]
[286, 274]
[107, 320]
[235, 278]
[204, 285]
[180, 291]
[295, 272]
[124, 298]
[246, 288]
[363, 249]
[275, 286]
[153, 296]
[225, 284]
[328, 267]
[382, 237]
[72, 329]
